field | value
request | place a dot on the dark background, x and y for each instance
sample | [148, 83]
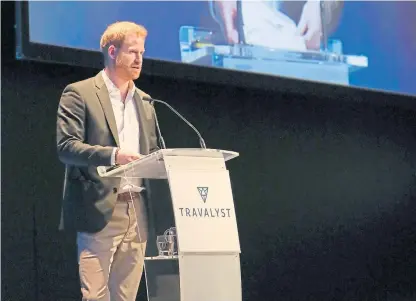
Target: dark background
[324, 186]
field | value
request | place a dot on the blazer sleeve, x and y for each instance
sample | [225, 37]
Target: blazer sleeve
[71, 133]
[331, 14]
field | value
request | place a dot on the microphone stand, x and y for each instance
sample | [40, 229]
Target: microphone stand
[152, 100]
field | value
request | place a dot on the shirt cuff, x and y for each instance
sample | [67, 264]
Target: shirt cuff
[113, 157]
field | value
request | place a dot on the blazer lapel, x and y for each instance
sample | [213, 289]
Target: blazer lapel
[143, 139]
[102, 94]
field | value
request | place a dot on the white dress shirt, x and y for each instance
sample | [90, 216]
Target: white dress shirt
[127, 127]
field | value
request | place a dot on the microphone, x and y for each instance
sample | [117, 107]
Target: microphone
[152, 100]
[161, 140]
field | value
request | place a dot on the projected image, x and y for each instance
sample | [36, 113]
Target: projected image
[368, 44]
[286, 38]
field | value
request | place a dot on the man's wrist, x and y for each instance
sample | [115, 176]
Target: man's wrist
[114, 156]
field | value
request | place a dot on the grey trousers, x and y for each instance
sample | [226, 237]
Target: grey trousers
[111, 261]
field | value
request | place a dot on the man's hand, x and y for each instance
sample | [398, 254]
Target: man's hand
[124, 157]
[310, 26]
[228, 15]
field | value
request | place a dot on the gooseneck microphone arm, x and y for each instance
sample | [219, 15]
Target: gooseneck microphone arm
[152, 100]
[161, 140]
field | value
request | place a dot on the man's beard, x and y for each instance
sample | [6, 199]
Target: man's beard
[126, 70]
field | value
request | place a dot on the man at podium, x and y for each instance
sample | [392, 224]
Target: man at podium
[103, 121]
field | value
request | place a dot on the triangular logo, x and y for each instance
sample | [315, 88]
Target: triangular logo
[203, 192]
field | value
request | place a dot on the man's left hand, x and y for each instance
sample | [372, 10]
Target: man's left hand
[310, 26]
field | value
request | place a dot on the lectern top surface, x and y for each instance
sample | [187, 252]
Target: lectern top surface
[149, 160]
[197, 152]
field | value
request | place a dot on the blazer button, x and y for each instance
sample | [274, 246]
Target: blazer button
[115, 190]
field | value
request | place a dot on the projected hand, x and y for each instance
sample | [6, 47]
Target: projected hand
[124, 157]
[310, 26]
[228, 14]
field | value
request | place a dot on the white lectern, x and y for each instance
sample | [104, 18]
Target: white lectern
[206, 266]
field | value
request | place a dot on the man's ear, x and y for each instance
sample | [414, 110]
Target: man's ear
[112, 52]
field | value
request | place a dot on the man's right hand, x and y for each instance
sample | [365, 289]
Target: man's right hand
[124, 157]
[228, 15]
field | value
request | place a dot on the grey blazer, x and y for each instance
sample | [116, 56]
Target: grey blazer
[86, 135]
